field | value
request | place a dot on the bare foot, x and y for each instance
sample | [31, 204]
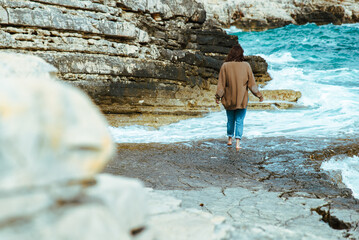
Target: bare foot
[229, 141]
[237, 145]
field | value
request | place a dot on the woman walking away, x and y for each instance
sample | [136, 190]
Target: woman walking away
[235, 78]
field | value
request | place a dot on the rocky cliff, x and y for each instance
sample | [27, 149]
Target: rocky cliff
[141, 59]
[264, 14]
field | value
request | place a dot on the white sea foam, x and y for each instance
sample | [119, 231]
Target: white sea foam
[280, 58]
[349, 168]
[286, 78]
[288, 123]
[210, 126]
[351, 25]
[334, 70]
[232, 29]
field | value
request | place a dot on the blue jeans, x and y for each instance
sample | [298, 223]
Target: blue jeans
[235, 122]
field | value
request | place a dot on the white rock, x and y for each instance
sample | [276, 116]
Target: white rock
[188, 225]
[255, 9]
[168, 220]
[161, 203]
[49, 130]
[263, 10]
[125, 198]
[30, 14]
[167, 8]
[3, 15]
[109, 210]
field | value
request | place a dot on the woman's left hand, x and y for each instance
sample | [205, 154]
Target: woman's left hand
[217, 100]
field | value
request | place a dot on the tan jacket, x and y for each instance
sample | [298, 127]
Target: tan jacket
[235, 78]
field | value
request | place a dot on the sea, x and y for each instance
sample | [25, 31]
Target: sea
[322, 62]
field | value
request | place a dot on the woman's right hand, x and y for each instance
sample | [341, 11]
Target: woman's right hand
[261, 98]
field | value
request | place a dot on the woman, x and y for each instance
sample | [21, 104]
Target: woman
[235, 78]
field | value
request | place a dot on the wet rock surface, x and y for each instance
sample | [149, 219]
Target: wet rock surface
[288, 168]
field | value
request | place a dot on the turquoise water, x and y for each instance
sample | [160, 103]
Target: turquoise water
[310, 48]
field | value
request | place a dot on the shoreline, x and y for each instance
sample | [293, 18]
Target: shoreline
[287, 169]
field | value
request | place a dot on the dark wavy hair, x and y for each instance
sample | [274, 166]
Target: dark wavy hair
[235, 54]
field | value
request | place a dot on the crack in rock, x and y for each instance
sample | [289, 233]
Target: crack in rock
[332, 221]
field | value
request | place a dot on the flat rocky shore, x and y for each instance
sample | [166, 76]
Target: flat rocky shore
[273, 188]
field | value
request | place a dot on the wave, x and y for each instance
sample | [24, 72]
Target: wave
[349, 169]
[232, 30]
[279, 58]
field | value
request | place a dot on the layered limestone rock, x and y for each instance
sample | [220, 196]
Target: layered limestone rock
[264, 14]
[142, 59]
[275, 99]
